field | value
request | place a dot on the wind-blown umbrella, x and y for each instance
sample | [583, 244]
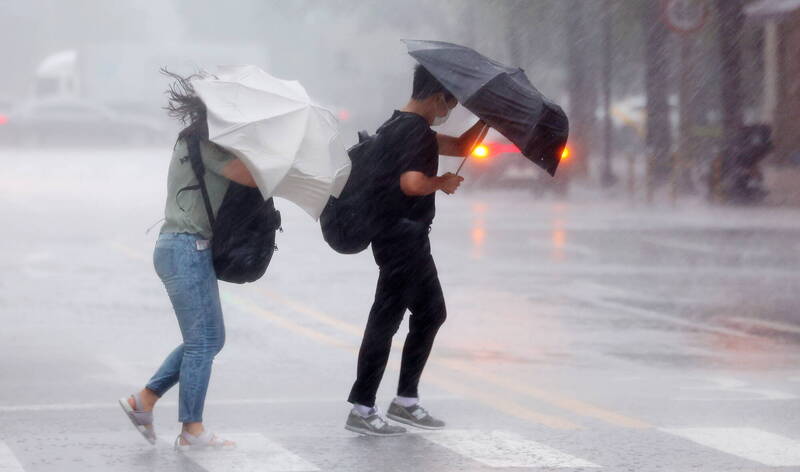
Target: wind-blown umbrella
[289, 144]
[501, 96]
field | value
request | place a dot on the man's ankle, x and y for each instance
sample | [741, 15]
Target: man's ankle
[406, 402]
[363, 410]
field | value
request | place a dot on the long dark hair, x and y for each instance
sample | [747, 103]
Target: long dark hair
[184, 104]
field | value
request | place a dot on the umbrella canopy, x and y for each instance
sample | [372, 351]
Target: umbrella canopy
[501, 96]
[289, 144]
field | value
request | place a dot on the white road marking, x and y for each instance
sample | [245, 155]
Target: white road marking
[576, 292]
[775, 325]
[749, 443]
[8, 461]
[740, 390]
[685, 245]
[502, 449]
[567, 247]
[253, 453]
[748, 272]
[119, 371]
[32, 265]
[599, 290]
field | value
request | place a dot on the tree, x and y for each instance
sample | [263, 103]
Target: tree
[731, 21]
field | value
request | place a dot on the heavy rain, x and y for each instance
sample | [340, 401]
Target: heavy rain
[240, 236]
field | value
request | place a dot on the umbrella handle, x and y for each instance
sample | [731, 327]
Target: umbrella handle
[475, 144]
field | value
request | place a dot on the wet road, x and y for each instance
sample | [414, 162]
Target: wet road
[584, 335]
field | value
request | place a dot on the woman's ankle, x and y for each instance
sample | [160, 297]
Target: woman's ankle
[149, 399]
[195, 429]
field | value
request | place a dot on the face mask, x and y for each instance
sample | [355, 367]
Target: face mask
[439, 120]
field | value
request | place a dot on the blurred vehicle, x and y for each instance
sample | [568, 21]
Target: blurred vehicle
[499, 163]
[111, 92]
[5, 108]
[73, 121]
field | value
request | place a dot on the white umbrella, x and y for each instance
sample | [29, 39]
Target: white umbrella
[290, 144]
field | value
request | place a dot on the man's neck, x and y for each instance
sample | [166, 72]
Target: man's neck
[420, 108]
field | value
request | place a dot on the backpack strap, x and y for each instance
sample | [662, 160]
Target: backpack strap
[193, 143]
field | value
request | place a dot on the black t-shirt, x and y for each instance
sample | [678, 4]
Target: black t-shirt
[410, 146]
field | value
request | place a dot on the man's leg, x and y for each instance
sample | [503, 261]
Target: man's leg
[384, 319]
[428, 313]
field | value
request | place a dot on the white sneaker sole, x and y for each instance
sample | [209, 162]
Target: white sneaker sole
[368, 432]
[400, 419]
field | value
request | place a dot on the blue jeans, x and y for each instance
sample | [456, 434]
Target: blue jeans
[188, 275]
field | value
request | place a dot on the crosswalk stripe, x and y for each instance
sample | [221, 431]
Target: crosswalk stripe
[8, 461]
[253, 453]
[503, 449]
[749, 443]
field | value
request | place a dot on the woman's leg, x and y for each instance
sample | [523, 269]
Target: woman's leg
[203, 332]
[189, 278]
[166, 261]
[167, 375]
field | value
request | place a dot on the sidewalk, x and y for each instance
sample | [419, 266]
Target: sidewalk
[783, 184]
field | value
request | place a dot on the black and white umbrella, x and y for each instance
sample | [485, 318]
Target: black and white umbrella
[501, 96]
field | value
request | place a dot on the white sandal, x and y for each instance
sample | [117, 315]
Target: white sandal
[206, 440]
[142, 420]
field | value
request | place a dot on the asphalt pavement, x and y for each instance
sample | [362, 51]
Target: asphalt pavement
[587, 334]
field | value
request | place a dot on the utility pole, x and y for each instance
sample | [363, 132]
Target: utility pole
[581, 83]
[686, 18]
[607, 178]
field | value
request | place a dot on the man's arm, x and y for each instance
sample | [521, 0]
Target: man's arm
[461, 146]
[417, 184]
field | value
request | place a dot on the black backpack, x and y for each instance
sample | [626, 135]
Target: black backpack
[244, 228]
[351, 221]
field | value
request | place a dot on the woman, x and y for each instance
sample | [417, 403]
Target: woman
[182, 260]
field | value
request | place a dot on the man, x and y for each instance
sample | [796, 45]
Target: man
[408, 277]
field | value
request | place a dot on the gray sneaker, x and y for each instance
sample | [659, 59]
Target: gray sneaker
[372, 425]
[414, 415]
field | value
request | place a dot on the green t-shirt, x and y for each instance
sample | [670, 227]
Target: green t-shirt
[186, 213]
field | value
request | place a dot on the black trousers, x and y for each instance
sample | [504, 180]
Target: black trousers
[407, 280]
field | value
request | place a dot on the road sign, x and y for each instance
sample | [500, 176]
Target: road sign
[684, 16]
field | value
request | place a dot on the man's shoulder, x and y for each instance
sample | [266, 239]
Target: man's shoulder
[411, 136]
[408, 123]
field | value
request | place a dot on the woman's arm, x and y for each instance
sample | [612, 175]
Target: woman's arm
[461, 146]
[236, 171]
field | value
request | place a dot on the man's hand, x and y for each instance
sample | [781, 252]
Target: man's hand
[449, 182]
[417, 184]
